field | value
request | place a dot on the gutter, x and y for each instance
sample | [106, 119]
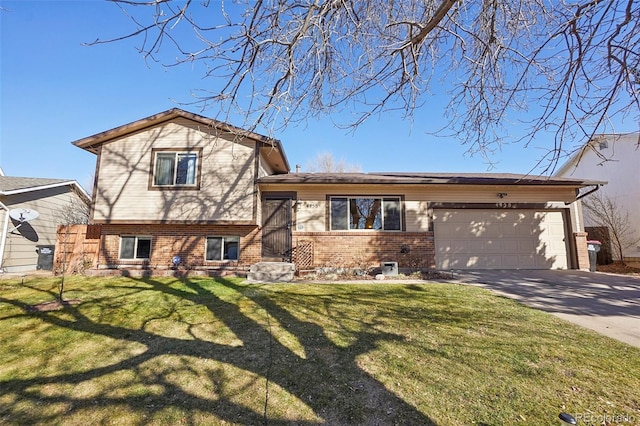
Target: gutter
[3, 239]
[594, 189]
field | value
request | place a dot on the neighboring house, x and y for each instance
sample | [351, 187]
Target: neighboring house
[29, 245]
[614, 158]
[178, 184]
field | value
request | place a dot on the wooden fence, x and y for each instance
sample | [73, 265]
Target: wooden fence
[77, 248]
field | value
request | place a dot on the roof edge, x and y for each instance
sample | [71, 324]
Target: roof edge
[72, 183]
[92, 141]
[401, 178]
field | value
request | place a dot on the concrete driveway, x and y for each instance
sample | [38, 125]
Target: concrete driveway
[606, 303]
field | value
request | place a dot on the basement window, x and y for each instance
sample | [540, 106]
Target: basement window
[135, 247]
[222, 248]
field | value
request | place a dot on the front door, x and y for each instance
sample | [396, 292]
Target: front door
[276, 230]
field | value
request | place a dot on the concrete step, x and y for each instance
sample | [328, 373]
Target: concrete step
[271, 272]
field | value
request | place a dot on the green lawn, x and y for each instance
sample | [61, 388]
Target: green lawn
[204, 351]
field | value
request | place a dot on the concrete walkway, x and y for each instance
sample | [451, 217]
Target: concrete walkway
[606, 303]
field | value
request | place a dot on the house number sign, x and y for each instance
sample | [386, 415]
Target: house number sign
[505, 205]
[310, 204]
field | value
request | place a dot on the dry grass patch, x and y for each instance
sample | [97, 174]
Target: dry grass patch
[201, 351]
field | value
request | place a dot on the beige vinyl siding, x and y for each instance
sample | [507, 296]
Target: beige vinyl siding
[20, 250]
[226, 187]
[311, 209]
[489, 194]
[264, 168]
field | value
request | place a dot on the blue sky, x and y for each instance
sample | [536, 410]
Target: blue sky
[54, 90]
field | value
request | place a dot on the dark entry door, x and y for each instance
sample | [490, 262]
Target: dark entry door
[276, 230]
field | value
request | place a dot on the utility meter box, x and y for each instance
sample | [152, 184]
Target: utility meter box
[389, 268]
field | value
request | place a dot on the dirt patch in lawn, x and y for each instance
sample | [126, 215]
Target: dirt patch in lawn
[56, 305]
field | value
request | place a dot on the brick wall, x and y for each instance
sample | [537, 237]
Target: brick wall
[186, 241]
[340, 249]
[353, 248]
[581, 250]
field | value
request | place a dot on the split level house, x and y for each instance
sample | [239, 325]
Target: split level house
[614, 158]
[180, 189]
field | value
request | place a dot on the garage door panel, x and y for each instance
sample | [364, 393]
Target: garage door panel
[527, 246]
[510, 245]
[490, 239]
[510, 261]
[490, 246]
[508, 230]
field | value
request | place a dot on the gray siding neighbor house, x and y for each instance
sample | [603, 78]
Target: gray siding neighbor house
[23, 245]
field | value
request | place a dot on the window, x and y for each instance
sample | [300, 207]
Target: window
[135, 247]
[365, 213]
[222, 248]
[175, 168]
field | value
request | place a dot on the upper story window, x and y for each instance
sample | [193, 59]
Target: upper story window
[366, 213]
[176, 168]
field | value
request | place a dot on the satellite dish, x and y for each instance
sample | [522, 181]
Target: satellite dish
[23, 215]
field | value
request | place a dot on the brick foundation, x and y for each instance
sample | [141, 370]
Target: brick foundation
[582, 253]
[337, 249]
[359, 249]
[186, 241]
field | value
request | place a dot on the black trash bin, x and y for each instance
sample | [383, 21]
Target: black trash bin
[45, 257]
[593, 246]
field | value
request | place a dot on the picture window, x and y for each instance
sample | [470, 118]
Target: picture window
[355, 213]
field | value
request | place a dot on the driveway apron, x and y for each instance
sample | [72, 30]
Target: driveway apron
[606, 303]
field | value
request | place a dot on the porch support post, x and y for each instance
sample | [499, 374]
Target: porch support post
[582, 254]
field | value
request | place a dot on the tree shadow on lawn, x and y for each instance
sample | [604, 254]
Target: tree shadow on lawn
[327, 379]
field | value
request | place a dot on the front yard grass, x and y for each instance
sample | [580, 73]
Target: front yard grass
[203, 351]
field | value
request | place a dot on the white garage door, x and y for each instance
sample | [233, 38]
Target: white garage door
[499, 239]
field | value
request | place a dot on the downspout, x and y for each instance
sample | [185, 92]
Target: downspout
[3, 239]
[594, 189]
[575, 206]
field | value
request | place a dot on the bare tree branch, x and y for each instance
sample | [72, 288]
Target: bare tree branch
[604, 211]
[560, 67]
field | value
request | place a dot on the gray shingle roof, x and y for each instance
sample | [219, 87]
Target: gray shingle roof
[423, 178]
[13, 183]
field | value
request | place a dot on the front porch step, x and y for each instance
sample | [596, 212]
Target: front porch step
[271, 272]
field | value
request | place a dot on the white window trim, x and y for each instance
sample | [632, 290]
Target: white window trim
[135, 247]
[175, 169]
[223, 238]
[350, 197]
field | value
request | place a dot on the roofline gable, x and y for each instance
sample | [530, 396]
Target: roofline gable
[575, 158]
[92, 143]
